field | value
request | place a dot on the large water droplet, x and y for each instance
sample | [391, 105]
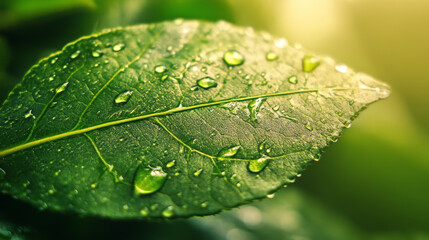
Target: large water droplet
[168, 212]
[254, 107]
[256, 166]
[293, 79]
[206, 82]
[160, 69]
[62, 87]
[229, 152]
[75, 55]
[118, 47]
[148, 180]
[309, 63]
[271, 56]
[233, 58]
[123, 97]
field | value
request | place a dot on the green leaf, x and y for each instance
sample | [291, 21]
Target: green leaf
[101, 129]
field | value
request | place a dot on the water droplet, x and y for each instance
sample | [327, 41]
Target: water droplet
[61, 88]
[229, 152]
[75, 55]
[276, 108]
[309, 128]
[272, 195]
[94, 185]
[168, 212]
[281, 43]
[271, 56]
[118, 47]
[309, 63]
[171, 164]
[148, 180]
[144, 212]
[293, 79]
[123, 97]
[206, 82]
[238, 185]
[163, 78]
[204, 204]
[233, 58]
[254, 107]
[51, 191]
[256, 166]
[347, 124]
[198, 172]
[342, 68]
[261, 146]
[97, 53]
[160, 69]
[316, 157]
[29, 114]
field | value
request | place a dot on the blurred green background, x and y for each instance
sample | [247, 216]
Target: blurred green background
[372, 184]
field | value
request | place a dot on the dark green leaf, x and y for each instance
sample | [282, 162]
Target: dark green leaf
[101, 128]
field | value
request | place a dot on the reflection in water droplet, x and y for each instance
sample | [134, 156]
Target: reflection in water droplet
[148, 180]
[293, 79]
[228, 152]
[206, 82]
[254, 107]
[168, 212]
[309, 63]
[61, 88]
[342, 68]
[160, 69]
[198, 172]
[171, 164]
[118, 47]
[256, 166]
[123, 97]
[233, 58]
[75, 55]
[271, 56]
[97, 53]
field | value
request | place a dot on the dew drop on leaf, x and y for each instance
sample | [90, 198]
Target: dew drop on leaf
[61, 88]
[254, 107]
[97, 53]
[118, 47]
[204, 204]
[309, 63]
[171, 164]
[233, 58]
[75, 55]
[272, 195]
[229, 152]
[160, 69]
[168, 212]
[148, 180]
[143, 212]
[271, 56]
[256, 166]
[206, 82]
[198, 172]
[293, 79]
[123, 97]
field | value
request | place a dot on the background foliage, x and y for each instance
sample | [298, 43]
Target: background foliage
[371, 184]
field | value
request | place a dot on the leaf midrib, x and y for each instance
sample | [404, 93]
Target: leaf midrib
[27, 145]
